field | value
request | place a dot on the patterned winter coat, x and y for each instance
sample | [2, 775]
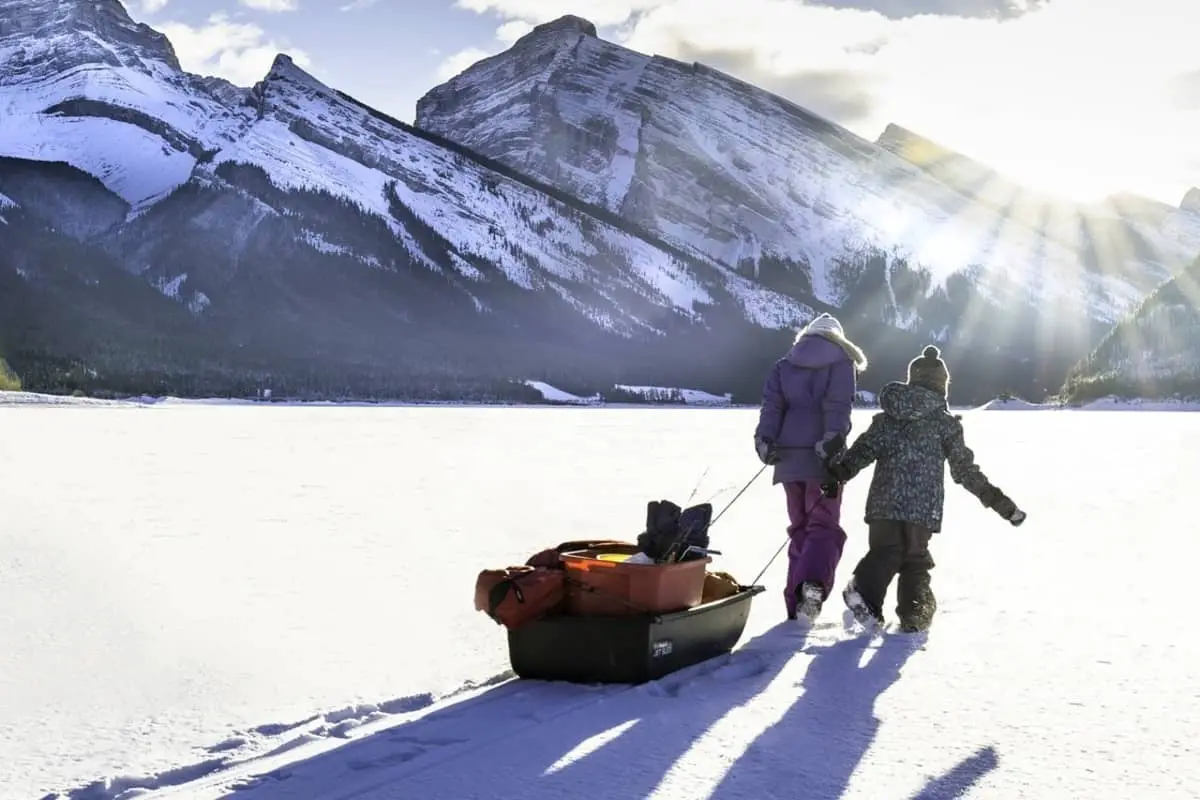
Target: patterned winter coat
[911, 440]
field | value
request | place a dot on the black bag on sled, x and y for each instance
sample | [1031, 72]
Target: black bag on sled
[670, 531]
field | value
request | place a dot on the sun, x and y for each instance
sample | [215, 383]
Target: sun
[1077, 161]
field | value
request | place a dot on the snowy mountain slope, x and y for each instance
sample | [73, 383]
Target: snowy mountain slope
[61, 197]
[1191, 200]
[744, 177]
[1117, 235]
[1153, 353]
[307, 136]
[278, 202]
[82, 72]
[65, 307]
[295, 223]
[74, 72]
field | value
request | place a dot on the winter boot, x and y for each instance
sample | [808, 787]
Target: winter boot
[864, 615]
[919, 619]
[915, 604]
[810, 596]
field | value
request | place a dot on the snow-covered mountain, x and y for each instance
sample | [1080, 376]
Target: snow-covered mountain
[291, 188]
[1153, 353]
[1191, 201]
[295, 237]
[84, 85]
[733, 173]
[1122, 232]
[81, 83]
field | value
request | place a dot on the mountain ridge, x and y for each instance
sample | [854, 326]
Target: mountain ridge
[248, 182]
[1154, 353]
[295, 225]
[599, 120]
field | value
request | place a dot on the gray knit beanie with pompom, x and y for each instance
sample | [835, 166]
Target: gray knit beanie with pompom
[930, 371]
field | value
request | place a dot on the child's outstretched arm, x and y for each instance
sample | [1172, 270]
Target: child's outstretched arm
[966, 473]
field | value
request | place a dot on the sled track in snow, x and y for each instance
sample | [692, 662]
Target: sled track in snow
[243, 762]
[257, 744]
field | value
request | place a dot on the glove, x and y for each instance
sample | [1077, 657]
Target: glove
[1006, 508]
[839, 471]
[831, 445]
[767, 453]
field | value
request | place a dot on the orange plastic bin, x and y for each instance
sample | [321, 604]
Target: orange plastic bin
[599, 587]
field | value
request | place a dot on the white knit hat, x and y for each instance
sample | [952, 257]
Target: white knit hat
[827, 327]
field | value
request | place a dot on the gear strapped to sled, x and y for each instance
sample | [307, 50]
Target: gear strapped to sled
[515, 596]
[675, 534]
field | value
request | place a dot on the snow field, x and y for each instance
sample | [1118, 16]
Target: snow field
[193, 585]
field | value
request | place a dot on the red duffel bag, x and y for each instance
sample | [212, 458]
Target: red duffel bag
[517, 595]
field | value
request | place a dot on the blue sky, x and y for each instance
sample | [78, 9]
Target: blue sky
[1076, 97]
[388, 54]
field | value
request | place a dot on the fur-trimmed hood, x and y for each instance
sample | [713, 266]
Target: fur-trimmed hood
[826, 327]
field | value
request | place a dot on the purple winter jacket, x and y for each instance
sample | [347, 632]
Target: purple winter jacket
[808, 394]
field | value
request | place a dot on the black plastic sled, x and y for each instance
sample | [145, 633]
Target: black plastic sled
[628, 649]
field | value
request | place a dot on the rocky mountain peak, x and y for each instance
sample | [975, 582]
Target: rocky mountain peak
[285, 70]
[910, 146]
[287, 89]
[568, 24]
[1191, 201]
[45, 23]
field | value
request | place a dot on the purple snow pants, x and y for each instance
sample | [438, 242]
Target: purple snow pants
[817, 538]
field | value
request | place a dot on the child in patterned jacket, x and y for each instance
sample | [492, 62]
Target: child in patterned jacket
[910, 440]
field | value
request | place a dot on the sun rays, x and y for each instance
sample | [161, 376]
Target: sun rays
[1048, 273]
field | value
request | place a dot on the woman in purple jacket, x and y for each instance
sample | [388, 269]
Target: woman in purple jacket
[806, 403]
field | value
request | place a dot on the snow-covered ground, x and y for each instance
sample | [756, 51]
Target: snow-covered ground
[1139, 404]
[552, 394]
[691, 397]
[1016, 404]
[1103, 404]
[190, 586]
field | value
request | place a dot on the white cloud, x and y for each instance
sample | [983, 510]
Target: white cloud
[512, 30]
[273, 6]
[152, 6]
[240, 52]
[459, 62]
[601, 12]
[1079, 96]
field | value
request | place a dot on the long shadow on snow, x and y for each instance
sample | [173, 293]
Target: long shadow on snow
[539, 740]
[963, 777]
[815, 747]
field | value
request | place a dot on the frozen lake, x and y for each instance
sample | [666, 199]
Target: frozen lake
[172, 576]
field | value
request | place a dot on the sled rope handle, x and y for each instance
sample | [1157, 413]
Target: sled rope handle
[741, 491]
[771, 561]
[680, 537]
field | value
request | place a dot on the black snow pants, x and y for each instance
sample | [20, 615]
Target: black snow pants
[898, 548]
